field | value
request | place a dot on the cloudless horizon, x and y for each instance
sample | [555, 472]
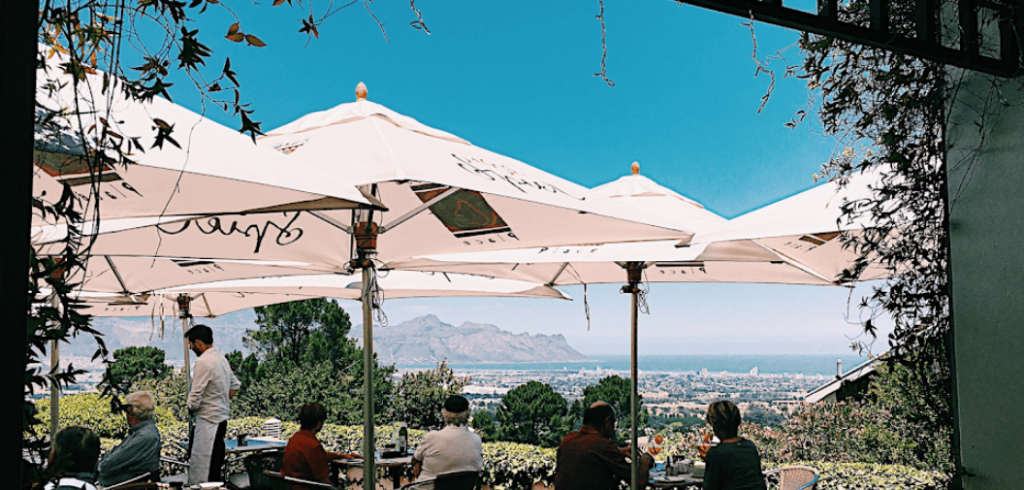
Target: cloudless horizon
[519, 80]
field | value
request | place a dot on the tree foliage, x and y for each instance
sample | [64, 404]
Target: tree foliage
[419, 396]
[484, 426]
[889, 113]
[526, 413]
[301, 353]
[615, 391]
[310, 329]
[133, 364]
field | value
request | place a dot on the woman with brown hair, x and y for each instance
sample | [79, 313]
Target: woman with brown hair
[734, 464]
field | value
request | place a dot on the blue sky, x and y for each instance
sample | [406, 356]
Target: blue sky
[517, 78]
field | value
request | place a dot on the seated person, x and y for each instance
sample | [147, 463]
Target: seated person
[140, 452]
[734, 464]
[588, 459]
[304, 456]
[73, 459]
[450, 450]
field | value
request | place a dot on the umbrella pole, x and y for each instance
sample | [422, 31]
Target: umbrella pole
[634, 451]
[369, 472]
[365, 233]
[54, 387]
[634, 272]
[184, 302]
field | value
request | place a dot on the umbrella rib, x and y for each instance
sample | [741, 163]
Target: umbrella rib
[113, 268]
[331, 221]
[560, 270]
[419, 209]
[209, 311]
[794, 263]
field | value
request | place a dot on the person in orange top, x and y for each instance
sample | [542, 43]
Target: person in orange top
[304, 456]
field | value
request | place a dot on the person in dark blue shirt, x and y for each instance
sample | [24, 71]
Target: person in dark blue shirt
[140, 452]
[734, 464]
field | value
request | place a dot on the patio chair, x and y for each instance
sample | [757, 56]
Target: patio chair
[793, 478]
[461, 480]
[281, 482]
[141, 485]
[179, 479]
[255, 464]
[150, 477]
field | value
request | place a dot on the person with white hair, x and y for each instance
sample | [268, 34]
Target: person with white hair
[139, 453]
[450, 450]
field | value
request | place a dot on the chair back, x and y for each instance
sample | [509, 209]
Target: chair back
[256, 464]
[796, 477]
[142, 485]
[462, 480]
[276, 480]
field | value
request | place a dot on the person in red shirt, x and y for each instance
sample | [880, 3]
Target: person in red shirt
[304, 456]
[589, 460]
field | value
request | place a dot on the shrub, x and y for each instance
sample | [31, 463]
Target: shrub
[509, 465]
[92, 411]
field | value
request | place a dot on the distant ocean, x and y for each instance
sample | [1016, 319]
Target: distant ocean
[765, 364]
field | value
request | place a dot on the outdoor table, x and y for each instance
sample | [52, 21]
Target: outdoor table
[253, 444]
[659, 480]
[395, 467]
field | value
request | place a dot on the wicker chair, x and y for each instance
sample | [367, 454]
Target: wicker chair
[462, 480]
[793, 478]
[281, 482]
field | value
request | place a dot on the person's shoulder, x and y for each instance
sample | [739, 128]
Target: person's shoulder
[746, 443]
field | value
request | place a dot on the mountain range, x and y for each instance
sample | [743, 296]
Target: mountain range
[426, 340]
[119, 332]
[422, 340]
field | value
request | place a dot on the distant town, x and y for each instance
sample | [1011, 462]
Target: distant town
[664, 393]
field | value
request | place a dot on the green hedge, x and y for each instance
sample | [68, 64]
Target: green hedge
[866, 476]
[507, 466]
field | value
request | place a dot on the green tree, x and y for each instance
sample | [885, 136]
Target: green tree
[526, 413]
[614, 390]
[483, 424]
[133, 364]
[900, 391]
[301, 353]
[419, 396]
[314, 328]
[889, 113]
[169, 392]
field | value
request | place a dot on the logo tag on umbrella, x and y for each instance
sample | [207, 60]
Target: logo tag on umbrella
[464, 213]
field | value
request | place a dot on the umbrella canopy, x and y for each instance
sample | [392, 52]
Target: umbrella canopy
[443, 194]
[793, 241]
[201, 167]
[657, 199]
[216, 298]
[131, 275]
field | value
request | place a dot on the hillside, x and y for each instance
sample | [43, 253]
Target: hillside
[228, 331]
[427, 339]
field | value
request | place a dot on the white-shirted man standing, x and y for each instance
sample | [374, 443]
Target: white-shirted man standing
[450, 450]
[213, 385]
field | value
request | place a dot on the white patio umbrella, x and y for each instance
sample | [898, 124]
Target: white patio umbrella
[201, 167]
[654, 198]
[211, 299]
[206, 169]
[793, 241]
[443, 195]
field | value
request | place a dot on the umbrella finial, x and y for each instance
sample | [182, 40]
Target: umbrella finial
[361, 91]
[635, 168]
